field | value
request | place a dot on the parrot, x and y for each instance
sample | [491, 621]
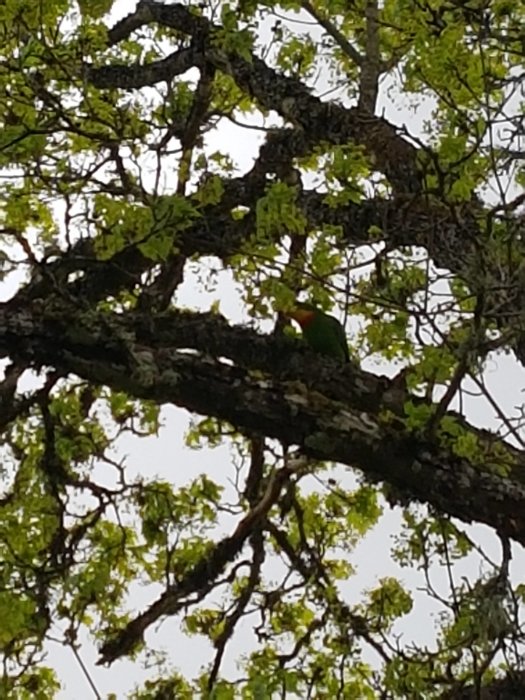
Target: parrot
[323, 333]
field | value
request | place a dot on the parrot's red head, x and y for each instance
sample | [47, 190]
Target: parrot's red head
[302, 313]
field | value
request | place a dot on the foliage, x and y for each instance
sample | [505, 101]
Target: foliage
[116, 197]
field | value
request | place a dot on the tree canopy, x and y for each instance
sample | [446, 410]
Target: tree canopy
[386, 188]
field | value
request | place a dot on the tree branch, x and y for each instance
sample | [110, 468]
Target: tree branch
[371, 68]
[202, 576]
[334, 32]
[143, 357]
[321, 121]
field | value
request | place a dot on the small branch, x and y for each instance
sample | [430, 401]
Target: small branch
[336, 35]
[314, 572]
[242, 602]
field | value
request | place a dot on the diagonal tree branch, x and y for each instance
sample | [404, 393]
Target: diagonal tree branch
[334, 32]
[202, 576]
[126, 356]
[452, 236]
[321, 121]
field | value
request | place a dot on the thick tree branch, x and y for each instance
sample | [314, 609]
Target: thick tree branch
[510, 687]
[127, 355]
[321, 121]
[452, 236]
[371, 68]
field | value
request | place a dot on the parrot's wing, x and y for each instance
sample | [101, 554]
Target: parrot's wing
[341, 336]
[344, 342]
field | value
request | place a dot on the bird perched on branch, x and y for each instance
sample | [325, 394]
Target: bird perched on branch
[322, 332]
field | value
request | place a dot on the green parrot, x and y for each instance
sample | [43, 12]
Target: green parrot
[322, 332]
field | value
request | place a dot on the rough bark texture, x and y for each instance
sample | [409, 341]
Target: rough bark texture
[330, 412]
